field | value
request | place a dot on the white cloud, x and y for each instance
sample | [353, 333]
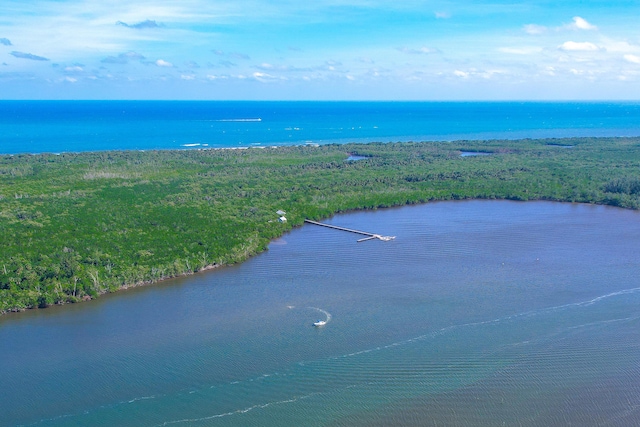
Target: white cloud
[264, 77]
[582, 24]
[634, 59]
[265, 66]
[69, 30]
[577, 24]
[572, 46]
[620, 46]
[83, 37]
[534, 29]
[490, 73]
[214, 77]
[420, 51]
[587, 74]
[141, 25]
[123, 58]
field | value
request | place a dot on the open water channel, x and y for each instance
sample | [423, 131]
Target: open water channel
[478, 313]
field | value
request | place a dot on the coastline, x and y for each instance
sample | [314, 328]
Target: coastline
[52, 126]
[211, 267]
[173, 234]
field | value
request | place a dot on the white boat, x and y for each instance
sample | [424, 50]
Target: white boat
[320, 323]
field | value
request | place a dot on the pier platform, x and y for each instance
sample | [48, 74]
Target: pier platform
[370, 236]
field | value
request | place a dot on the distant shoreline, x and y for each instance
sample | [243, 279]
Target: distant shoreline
[82, 126]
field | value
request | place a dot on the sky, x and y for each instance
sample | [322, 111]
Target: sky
[320, 49]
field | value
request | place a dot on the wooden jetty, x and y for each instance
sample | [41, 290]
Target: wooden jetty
[370, 235]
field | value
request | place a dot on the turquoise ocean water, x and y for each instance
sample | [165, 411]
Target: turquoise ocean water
[479, 313]
[58, 126]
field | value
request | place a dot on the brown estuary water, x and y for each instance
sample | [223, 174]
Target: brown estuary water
[479, 313]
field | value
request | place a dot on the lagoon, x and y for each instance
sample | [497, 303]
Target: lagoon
[478, 313]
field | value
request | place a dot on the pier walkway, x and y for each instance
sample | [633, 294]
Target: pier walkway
[370, 235]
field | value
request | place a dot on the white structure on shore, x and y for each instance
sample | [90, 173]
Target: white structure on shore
[282, 214]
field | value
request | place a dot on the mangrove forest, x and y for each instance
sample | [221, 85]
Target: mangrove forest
[78, 225]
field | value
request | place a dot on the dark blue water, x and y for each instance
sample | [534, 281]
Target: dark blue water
[479, 313]
[59, 126]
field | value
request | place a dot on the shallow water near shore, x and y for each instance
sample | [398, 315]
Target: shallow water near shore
[478, 313]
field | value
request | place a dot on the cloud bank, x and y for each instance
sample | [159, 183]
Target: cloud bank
[30, 56]
[141, 25]
[572, 46]
[337, 49]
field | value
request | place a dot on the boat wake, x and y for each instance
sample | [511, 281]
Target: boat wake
[236, 412]
[326, 313]
[334, 363]
[512, 317]
[257, 119]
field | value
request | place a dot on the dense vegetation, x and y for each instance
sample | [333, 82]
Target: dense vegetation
[74, 226]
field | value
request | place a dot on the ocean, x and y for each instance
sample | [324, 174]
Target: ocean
[479, 313]
[76, 126]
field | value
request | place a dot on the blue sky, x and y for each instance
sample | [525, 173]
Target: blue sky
[321, 49]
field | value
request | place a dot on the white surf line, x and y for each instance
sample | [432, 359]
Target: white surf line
[385, 347]
[419, 338]
[137, 399]
[548, 337]
[603, 322]
[326, 313]
[89, 411]
[613, 294]
[266, 405]
[429, 335]
[46, 420]
[236, 412]
[492, 321]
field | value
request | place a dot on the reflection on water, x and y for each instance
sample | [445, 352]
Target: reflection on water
[479, 313]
